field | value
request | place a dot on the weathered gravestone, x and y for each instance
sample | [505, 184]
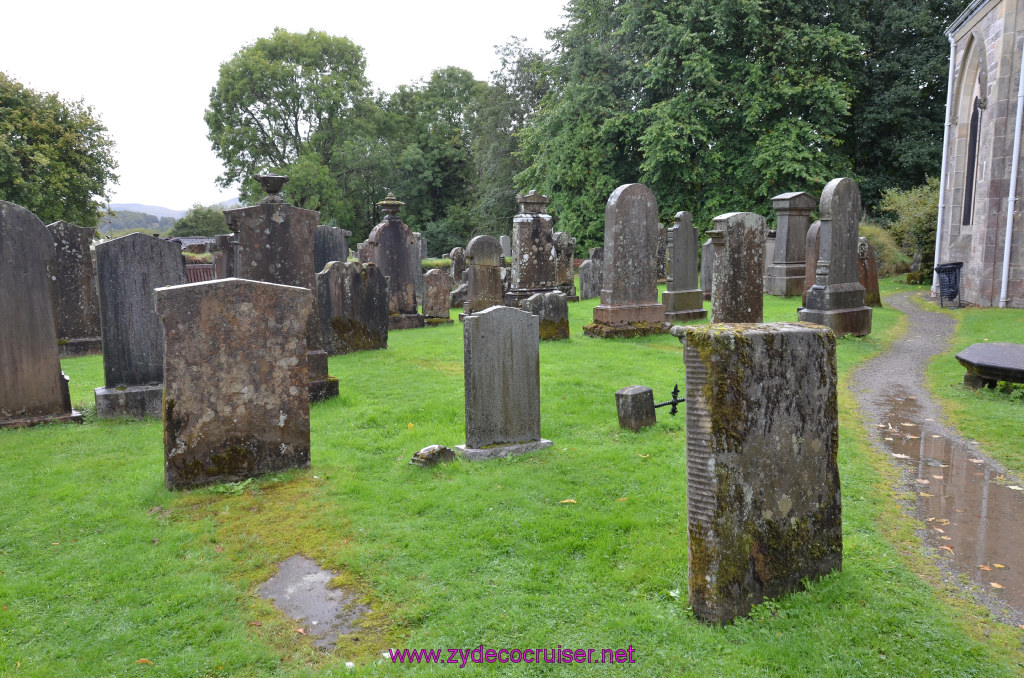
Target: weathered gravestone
[363, 252]
[763, 507]
[275, 245]
[236, 388]
[552, 308]
[867, 272]
[78, 307]
[590, 279]
[811, 262]
[668, 250]
[707, 268]
[418, 249]
[352, 300]
[682, 300]
[738, 278]
[629, 294]
[329, 244]
[33, 390]
[836, 300]
[565, 269]
[533, 249]
[502, 373]
[635, 407]
[769, 256]
[437, 286]
[394, 249]
[130, 268]
[662, 254]
[226, 264]
[484, 288]
[506, 246]
[786, 269]
[458, 259]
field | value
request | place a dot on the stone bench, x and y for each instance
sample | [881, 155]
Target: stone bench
[991, 362]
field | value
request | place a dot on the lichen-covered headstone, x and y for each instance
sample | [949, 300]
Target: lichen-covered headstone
[275, 245]
[763, 507]
[352, 300]
[590, 279]
[418, 249]
[78, 307]
[785, 275]
[458, 259]
[707, 268]
[236, 391]
[811, 262]
[552, 308]
[502, 373]
[130, 268]
[483, 256]
[393, 247]
[635, 407]
[437, 287]
[662, 253]
[836, 300]
[506, 246]
[33, 390]
[330, 243]
[682, 300]
[867, 270]
[738, 277]
[629, 293]
[565, 269]
[533, 248]
[225, 258]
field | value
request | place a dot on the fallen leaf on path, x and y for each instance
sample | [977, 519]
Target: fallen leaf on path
[948, 548]
[999, 566]
[936, 436]
[923, 481]
[643, 456]
[946, 538]
[301, 631]
[567, 501]
[900, 456]
[144, 661]
[889, 439]
[411, 426]
[930, 519]
[622, 499]
[907, 423]
[995, 585]
[985, 567]
[976, 461]
[944, 521]
[937, 477]
[1016, 487]
[913, 437]
[939, 529]
[924, 494]
[929, 420]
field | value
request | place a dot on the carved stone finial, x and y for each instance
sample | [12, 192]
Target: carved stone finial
[532, 202]
[390, 205]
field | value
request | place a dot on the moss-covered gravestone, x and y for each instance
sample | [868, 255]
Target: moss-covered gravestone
[237, 401]
[738, 274]
[552, 309]
[763, 507]
[78, 307]
[867, 270]
[352, 300]
[32, 388]
[436, 288]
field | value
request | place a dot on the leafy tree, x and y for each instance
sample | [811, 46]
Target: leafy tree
[915, 213]
[56, 158]
[200, 220]
[287, 104]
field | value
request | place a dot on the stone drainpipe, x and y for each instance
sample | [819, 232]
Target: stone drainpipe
[942, 175]
[1012, 198]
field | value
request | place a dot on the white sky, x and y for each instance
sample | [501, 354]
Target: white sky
[147, 68]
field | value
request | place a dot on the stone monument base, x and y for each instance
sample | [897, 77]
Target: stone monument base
[686, 316]
[130, 401]
[785, 280]
[75, 417]
[569, 291]
[842, 321]
[427, 320]
[516, 297]
[323, 389]
[683, 305]
[629, 314]
[72, 348]
[641, 329]
[497, 451]
[405, 321]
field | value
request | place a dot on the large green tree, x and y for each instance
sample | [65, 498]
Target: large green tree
[291, 103]
[200, 219]
[56, 158]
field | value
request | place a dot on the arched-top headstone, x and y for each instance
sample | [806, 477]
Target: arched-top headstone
[353, 306]
[682, 300]
[484, 259]
[32, 388]
[393, 247]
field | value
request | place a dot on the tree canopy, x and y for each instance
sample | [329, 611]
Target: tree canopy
[56, 158]
[200, 220]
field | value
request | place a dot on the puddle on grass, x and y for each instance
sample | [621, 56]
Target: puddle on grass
[970, 515]
[299, 589]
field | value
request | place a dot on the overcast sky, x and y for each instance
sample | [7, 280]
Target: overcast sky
[147, 68]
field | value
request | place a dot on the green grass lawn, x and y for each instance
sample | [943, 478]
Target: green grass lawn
[101, 567]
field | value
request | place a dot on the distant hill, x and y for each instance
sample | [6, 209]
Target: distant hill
[147, 209]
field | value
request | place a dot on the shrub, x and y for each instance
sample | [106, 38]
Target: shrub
[915, 212]
[891, 259]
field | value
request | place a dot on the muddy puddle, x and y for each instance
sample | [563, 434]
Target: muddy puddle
[971, 514]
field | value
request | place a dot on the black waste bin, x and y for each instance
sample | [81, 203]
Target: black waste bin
[949, 282]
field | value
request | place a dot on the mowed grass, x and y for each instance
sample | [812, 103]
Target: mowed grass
[101, 567]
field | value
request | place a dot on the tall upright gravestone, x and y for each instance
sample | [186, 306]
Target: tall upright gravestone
[437, 287]
[836, 300]
[785, 276]
[867, 269]
[33, 390]
[763, 505]
[130, 268]
[237, 394]
[629, 294]
[502, 372]
[738, 276]
[78, 308]
[275, 245]
[565, 265]
[393, 247]
[352, 300]
[534, 261]
[330, 243]
[484, 288]
[682, 300]
[707, 268]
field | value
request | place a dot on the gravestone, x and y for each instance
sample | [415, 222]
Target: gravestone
[682, 300]
[33, 390]
[484, 288]
[668, 252]
[435, 299]
[393, 247]
[506, 246]
[867, 271]
[502, 376]
[458, 258]
[763, 509]
[329, 244]
[552, 308]
[363, 252]
[226, 265]
[590, 279]
[738, 278]
[533, 249]
[786, 268]
[236, 388]
[629, 294]
[275, 245]
[423, 246]
[78, 305]
[769, 255]
[565, 269]
[811, 262]
[352, 300]
[707, 268]
[418, 250]
[635, 407]
[662, 254]
[836, 300]
[130, 268]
